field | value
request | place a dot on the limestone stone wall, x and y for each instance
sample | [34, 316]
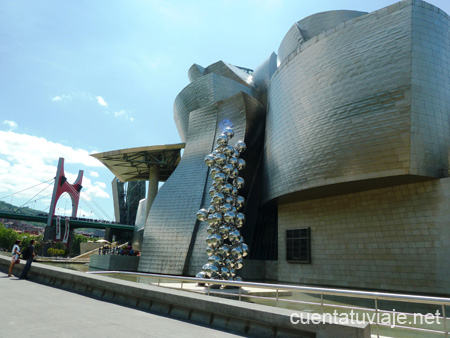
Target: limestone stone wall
[393, 238]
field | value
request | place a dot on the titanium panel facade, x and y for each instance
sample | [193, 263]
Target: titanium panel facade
[340, 108]
[173, 240]
[354, 145]
[370, 117]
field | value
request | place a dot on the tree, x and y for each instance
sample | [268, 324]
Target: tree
[7, 237]
[26, 239]
[77, 239]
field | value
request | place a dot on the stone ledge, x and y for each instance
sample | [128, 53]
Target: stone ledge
[231, 315]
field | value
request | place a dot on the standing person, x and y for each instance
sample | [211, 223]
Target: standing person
[15, 256]
[30, 258]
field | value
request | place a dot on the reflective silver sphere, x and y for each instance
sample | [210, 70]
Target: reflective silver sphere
[240, 219]
[236, 253]
[202, 215]
[234, 236]
[240, 146]
[217, 217]
[211, 220]
[241, 164]
[201, 274]
[225, 207]
[209, 160]
[220, 159]
[234, 192]
[223, 231]
[233, 160]
[239, 182]
[214, 275]
[211, 210]
[210, 251]
[225, 271]
[218, 198]
[234, 173]
[214, 171]
[209, 269]
[228, 150]
[223, 250]
[214, 259]
[227, 169]
[229, 132]
[229, 199]
[229, 216]
[240, 202]
[211, 230]
[212, 191]
[238, 264]
[220, 177]
[229, 262]
[222, 140]
[214, 240]
[226, 188]
[244, 248]
[218, 149]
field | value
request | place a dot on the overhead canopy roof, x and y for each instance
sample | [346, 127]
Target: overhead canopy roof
[133, 164]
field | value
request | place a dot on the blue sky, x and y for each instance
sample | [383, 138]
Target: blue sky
[79, 77]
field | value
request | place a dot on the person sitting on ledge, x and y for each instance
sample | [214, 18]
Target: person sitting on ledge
[15, 256]
[31, 255]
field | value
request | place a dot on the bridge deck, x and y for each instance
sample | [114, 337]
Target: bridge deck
[74, 223]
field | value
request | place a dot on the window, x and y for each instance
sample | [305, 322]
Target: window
[298, 248]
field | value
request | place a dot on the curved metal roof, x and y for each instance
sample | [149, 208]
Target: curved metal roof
[133, 164]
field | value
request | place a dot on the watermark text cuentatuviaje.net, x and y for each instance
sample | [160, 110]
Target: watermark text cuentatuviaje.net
[391, 319]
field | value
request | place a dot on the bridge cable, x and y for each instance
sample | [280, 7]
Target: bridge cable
[84, 199]
[100, 209]
[26, 189]
[34, 196]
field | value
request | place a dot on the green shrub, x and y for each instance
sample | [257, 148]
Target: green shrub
[56, 252]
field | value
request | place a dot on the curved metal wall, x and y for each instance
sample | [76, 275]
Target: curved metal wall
[311, 26]
[173, 240]
[339, 109]
[202, 92]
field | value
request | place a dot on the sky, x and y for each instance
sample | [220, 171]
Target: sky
[81, 77]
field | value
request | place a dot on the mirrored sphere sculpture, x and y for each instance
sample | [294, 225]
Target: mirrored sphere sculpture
[226, 247]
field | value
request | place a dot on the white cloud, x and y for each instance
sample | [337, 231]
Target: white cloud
[27, 161]
[93, 173]
[31, 150]
[10, 124]
[96, 190]
[61, 97]
[124, 114]
[101, 101]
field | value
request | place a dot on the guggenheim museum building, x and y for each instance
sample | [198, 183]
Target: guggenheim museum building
[347, 181]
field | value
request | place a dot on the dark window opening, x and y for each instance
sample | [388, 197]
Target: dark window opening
[298, 245]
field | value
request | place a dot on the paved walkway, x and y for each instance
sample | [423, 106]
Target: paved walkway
[33, 310]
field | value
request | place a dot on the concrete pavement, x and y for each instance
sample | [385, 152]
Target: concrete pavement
[217, 314]
[30, 309]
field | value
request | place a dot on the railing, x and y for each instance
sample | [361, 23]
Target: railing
[378, 319]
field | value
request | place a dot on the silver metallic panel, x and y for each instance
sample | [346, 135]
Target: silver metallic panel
[339, 110]
[318, 23]
[310, 27]
[203, 92]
